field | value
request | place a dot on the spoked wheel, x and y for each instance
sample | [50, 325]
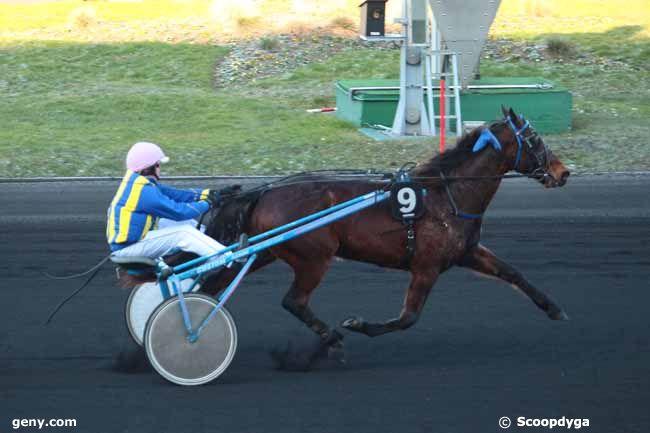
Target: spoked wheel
[142, 301]
[183, 362]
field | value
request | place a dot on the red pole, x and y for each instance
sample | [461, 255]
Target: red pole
[442, 115]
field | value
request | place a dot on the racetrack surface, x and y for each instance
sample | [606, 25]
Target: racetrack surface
[480, 351]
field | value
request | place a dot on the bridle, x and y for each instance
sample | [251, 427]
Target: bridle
[528, 143]
[525, 143]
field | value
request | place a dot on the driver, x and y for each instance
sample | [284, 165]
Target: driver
[141, 201]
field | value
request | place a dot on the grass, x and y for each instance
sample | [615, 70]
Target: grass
[269, 43]
[73, 111]
[121, 72]
[560, 47]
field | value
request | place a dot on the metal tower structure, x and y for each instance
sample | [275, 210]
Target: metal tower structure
[441, 41]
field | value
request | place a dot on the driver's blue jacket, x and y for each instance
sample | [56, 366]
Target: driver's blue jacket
[140, 202]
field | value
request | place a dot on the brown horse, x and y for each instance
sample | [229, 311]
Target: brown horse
[460, 184]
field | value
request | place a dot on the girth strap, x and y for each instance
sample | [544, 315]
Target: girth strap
[457, 213]
[410, 243]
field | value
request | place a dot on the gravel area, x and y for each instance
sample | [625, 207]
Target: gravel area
[507, 50]
[260, 57]
[585, 149]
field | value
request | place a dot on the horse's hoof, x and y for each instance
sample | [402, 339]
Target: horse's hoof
[353, 323]
[131, 361]
[279, 359]
[336, 353]
[294, 358]
[558, 315]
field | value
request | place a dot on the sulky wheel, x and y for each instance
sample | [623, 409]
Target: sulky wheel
[183, 362]
[142, 301]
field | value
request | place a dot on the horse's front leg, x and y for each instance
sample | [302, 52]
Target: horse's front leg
[416, 296]
[481, 259]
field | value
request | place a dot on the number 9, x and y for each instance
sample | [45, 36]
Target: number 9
[408, 199]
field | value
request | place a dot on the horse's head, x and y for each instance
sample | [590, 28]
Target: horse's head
[529, 154]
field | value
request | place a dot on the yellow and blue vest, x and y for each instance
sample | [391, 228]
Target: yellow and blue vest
[140, 202]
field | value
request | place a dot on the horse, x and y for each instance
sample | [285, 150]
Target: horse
[460, 183]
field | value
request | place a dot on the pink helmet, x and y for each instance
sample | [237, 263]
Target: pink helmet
[143, 154]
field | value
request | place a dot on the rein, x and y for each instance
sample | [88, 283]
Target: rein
[503, 176]
[446, 180]
[389, 178]
[538, 174]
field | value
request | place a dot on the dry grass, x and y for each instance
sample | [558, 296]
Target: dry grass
[559, 47]
[269, 43]
[82, 18]
[343, 22]
[219, 20]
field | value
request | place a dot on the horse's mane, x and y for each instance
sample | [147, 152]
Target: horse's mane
[452, 158]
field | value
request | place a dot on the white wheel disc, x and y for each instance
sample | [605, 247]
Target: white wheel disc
[142, 301]
[183, 362]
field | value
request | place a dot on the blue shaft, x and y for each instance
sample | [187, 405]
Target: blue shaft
[363, 202]
[274, 231]
[164, 289]
[187, 320]
[226, 294]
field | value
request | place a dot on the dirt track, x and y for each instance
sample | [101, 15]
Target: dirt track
[480, 351]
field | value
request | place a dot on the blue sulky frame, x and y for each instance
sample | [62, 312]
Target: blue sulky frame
[199, 266]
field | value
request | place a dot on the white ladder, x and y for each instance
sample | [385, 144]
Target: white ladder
[434, 73]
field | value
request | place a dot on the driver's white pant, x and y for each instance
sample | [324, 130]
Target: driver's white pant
[169, 240]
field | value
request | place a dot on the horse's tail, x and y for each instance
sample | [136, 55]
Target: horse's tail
[233, 217]
[226, 225]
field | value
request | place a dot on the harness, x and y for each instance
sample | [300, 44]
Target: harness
[454, 207]
[407, 206]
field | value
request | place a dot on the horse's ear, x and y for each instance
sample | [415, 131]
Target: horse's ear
[515, 118]
[504, 110]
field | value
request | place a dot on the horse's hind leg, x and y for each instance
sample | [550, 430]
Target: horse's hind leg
[307, 276]
[482, 260]
[416, 296]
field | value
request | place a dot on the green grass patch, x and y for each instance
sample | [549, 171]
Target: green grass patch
[74, 106]
[74, 109]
